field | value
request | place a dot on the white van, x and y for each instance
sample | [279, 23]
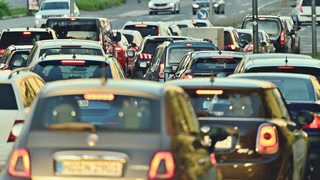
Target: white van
[302, 11]
[55, 8]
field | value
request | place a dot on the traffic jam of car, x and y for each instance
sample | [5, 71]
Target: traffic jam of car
[157, 95]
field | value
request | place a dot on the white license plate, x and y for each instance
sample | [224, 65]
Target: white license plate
[89, 168]
[225, 144]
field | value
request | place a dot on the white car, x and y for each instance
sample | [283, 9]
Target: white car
[18, 89]
[302, 11]
[63, 46]
[156, 6]
[55, 8]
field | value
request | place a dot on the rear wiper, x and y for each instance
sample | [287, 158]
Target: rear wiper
[73, 126]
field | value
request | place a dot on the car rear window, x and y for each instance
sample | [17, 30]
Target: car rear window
[309, 2]
[7, 97]
[102, 111]
[288, 69]
[144, 30]
[270, 26]
[60, 69]
[293, 88]
[22, 38]
[71, 28]
[226, 64]
[237, 103]
[175, 54]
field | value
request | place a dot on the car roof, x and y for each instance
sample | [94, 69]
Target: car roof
[276, 55]
[127, 87]
[20, 47]
[271, 74]
[222, 82]
[27, 29]
[77, 57]
[166, 37]
[218, 53]
[69, 42]
[270, 62]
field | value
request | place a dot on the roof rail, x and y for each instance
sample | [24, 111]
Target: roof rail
[19, 70]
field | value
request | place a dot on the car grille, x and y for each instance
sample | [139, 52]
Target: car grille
[204, 5]
[159, 5]
[50, 16]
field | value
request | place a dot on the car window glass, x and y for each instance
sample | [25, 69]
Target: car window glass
[23, 38]
[54, 5]
[8, 98]
[115, 113]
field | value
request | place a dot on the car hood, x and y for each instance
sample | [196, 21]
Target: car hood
[55, 11]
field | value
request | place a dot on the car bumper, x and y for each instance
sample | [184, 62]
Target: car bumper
[39, 22]
[261, 169]
[167, 7]
[5, 153]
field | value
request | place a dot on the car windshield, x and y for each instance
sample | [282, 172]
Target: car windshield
[309, 2]
[7, 98]
[111, 113]
[54, 5]
[60, 70]
[23, 38]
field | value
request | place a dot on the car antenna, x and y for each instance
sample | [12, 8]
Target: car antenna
[211, 78]
[103, 74]
[286, 61]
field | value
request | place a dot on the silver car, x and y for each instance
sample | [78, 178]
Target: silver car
[156, 6]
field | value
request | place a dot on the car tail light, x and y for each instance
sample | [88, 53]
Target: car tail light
[230, 46]
[26, 33]
[119, 49]
[12, 136]
[161, 69]
[19, 164]
[73, 62]
[144, 56]
[267, 139]
[162, 166]
[315, 124]
[300, 9]
[282, 38]
[285, 67]
[159, 32]
[250, 48]
[187, 76]
[2, 51]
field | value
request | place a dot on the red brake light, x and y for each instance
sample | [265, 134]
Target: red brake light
[159, 160]
[300, 9]
[282, 38]
[2, 51]
[187, 76]
[285, 67]
[161, 69]
[99, 96]
[144, 56]
[19, 157]
[26, 33]
[73, 19]
[230, 46]
[209, 92]
[267, 139]
[73, 62]
[12, 137]
[315, 124]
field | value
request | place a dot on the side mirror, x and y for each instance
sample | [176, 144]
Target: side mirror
[130, 53]
[18, 63]
[168, 70]
[304, 117]
[263, 43]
